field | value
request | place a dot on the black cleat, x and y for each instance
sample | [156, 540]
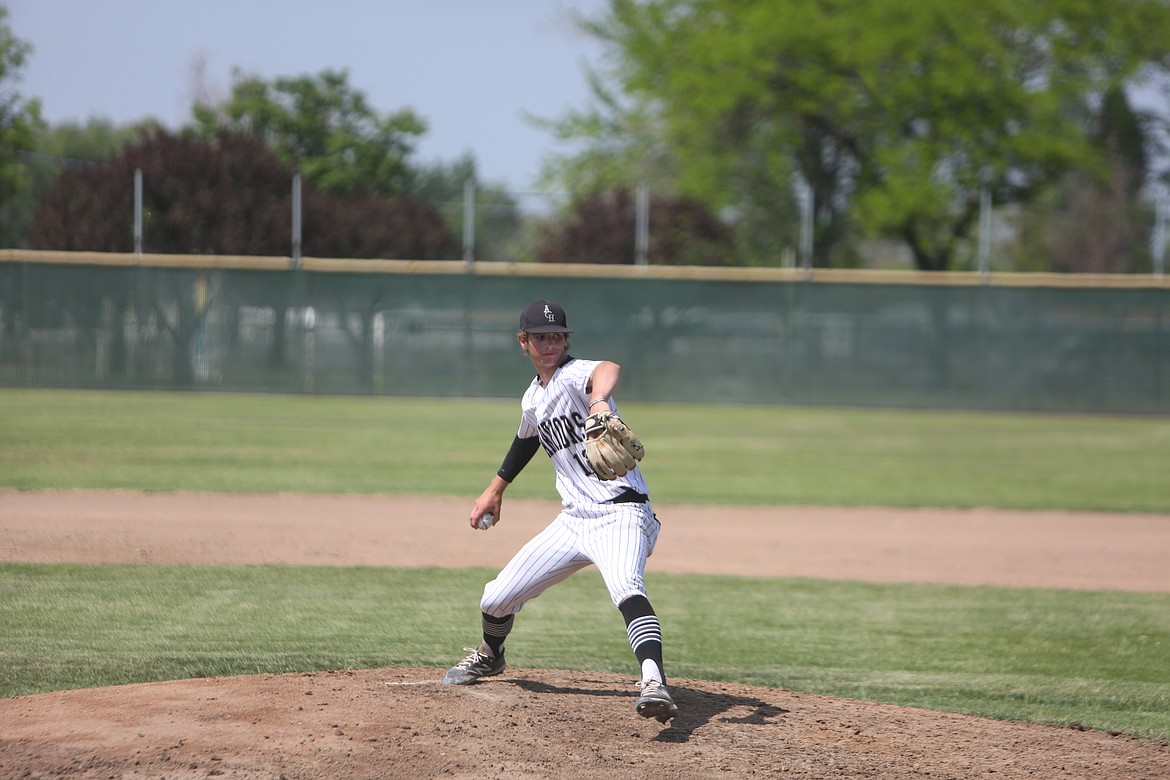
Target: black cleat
[478, 664]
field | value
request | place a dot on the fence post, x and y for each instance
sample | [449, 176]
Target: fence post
[138, 212]
[296, 221]
[806, 200]
[1158, 237]
[469, 222]
[642, 225]
[984, 233]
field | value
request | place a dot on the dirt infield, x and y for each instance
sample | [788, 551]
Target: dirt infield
[388, 723]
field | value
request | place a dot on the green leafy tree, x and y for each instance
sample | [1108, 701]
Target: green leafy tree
[70, 146]
[323, 127]
[20, 121]
[95, 141]
[896, 115]
[627, 145]
[497, 215]
[1095, 221]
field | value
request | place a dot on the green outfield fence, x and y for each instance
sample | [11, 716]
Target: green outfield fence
[1003, 341]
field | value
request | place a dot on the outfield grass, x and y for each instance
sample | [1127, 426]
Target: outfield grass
[1046, 655]
[700, 454]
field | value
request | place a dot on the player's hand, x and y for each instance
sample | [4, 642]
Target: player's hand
[488, 503]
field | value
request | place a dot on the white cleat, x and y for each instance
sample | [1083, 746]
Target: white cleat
[655, 702]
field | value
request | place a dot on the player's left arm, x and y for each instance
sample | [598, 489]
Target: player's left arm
[611, 447]
[602, 384]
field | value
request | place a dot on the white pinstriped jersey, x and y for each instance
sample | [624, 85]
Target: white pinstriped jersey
[557, 414]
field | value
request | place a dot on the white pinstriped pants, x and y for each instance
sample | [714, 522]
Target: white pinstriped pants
[617, 538]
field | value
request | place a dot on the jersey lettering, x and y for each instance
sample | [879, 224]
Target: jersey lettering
[562, 431]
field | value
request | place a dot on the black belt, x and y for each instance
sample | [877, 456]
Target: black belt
[629, 496]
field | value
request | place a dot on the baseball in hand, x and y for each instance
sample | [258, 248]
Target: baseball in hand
[486, 521]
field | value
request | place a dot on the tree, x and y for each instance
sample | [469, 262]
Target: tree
[66, 146]
[230, 195]
[227, 197]
[20, 121]
[600, 229]
[1095, 221]
[323, 127]
[367, 226]
[627, 145]
[896, 115]
[95, 141]
[497, 216]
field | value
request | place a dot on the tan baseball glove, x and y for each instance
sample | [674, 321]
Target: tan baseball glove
[610, 446]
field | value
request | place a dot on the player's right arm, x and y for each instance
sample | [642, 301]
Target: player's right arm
[489, 501]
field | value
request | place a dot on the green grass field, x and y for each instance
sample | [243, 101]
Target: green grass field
[697, 454]
[1097, 658]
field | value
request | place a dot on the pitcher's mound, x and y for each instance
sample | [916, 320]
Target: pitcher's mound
[392, 723]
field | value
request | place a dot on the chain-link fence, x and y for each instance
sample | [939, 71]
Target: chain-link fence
[448, 329]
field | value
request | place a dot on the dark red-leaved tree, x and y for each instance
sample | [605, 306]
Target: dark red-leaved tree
[369, 226]
[600, 229]
[225, 196]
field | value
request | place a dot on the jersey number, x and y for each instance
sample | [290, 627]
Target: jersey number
[583, 462]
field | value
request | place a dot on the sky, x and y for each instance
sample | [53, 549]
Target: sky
[471, 69]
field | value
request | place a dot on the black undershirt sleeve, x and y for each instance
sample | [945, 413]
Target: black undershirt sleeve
[518, 456]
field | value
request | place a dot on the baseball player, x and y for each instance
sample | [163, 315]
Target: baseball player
[606, 519]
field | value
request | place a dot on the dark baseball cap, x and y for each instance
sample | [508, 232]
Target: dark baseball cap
[544, 317]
